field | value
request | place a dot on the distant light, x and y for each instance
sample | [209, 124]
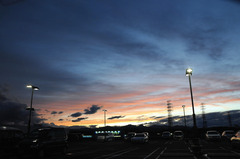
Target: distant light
[189, 72]
[29, 86]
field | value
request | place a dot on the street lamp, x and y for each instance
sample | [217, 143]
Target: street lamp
[189, 74]
[105, 117]
[34, 88]
[184, 115]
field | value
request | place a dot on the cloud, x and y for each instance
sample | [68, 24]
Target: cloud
[93, 109]
[79, 119]
[157, 117]
[76, 114]
[15, 113]
[54, 112]
[116, 117]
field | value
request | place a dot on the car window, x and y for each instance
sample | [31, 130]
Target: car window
[140, 135]
[178, 133]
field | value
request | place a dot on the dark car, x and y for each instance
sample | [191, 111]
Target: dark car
[10, 138]
[178, 135]
[235, 140]
[44, 141]
[166, 135]
[129, 136]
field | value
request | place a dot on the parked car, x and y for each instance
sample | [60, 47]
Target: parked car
[166, 135]
[140, 138]
[42, 141]
[10, 138]
[228, 134]
[103, 137]
[178, 135]
[213, 135]
[235, 140]
[129, 136]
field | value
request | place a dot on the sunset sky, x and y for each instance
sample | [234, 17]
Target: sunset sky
[126, 56]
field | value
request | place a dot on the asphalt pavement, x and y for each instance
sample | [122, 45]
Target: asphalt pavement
[154, 149]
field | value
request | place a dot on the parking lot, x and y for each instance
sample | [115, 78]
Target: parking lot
[154, 149]
[169, 149]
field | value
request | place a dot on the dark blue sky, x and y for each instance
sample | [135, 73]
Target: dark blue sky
[127, 56]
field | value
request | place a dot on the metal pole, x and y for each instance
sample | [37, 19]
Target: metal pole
[105, 117]
[184, 116]
[194, 117]
[30, 113]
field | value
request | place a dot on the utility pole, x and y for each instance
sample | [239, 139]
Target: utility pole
[229, 119]
[169, 107]
[203, 116]
[185, 123]
[105, 117]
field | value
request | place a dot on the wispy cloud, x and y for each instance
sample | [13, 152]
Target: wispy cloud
[116, 117]
[92, 110]
[77, 114]
[79, 119]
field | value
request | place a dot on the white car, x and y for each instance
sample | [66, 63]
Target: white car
[105, 137]
[140, 138]
[178, 135]
[213, 135]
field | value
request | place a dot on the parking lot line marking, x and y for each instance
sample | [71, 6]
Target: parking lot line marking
[122, 153]
[165, 143]
[152, 153]
[190, 149]
[113, 153]
[236, 153]
[161, 153]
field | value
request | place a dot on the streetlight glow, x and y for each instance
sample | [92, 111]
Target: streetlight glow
[189, 72]
[33, 87]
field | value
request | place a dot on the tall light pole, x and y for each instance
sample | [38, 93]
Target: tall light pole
[189, 74]
[34, 88]
[105, 117]
[184, 115]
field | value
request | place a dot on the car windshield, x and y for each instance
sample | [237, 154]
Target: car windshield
[178, 133]
[140, 135]
[166, 134]
[213, 132]
[229, 132]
